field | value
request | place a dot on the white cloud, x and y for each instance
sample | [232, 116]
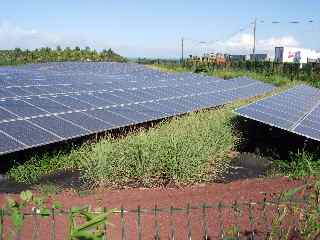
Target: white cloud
[271, 43]
[243, 43]
[12, 36]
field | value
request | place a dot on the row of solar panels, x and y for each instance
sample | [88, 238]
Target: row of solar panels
[296, 110]
[48, 103]
[90, 73]
[48, 120]
[48, 111]
[15, 92]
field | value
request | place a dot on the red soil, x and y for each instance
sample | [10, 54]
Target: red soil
[240, 191]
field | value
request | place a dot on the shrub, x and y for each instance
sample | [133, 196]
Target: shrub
[186, 150]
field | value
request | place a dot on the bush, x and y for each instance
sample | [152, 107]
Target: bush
[39, 166]
[186, 150]
[301, 164]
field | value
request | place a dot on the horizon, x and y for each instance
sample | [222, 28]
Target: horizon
[154, 29]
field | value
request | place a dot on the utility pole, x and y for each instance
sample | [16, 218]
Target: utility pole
[254, 38]
[182, 51]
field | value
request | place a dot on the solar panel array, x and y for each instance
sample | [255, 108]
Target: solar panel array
[296, 110]
[46, 103]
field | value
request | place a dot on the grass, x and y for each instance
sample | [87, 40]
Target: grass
[48, 189]
[275, 79]
[300, 164]
[191, 149]
[41, 165]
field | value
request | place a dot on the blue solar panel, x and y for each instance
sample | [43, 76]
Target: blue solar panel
[70, 102]
[87, 121]
[92, 100]
[27, 133]
[296, 110]
[112, 118]
[45, 103]
[8, 144]
[60, 127]
[20, 108]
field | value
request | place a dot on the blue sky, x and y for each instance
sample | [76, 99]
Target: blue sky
[154, 28]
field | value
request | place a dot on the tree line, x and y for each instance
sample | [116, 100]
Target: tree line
[21, 56]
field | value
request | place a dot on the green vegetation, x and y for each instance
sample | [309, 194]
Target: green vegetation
[190, 149]
[301, 164]
[305, 216]
[19, 56]
[84, 222]
[276, 79]
[272, 72]
[41, 165]
[186, 150]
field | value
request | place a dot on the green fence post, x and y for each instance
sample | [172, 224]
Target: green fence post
[172, 226]
[53, 225]
[220, 207]
[35, 233]
[1, 222]
[139, 223]
[156, 225]
[264, 216]
[189, 236]
[123, 237]
[205, 221]
[237, 214]
[251, 220]
[105, 226]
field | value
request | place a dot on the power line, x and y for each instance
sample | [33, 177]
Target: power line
[254, 24]
[289, 22]
[273, 22]
[197, 43]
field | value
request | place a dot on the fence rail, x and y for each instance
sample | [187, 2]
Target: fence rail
[246, 220]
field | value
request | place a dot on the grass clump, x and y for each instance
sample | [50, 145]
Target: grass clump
[277, 80]
[186, 150]
[38, 166]
[299, 165]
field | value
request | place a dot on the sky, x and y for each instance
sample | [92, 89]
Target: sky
[146, 28]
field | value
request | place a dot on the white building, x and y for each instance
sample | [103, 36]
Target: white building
[297, 55]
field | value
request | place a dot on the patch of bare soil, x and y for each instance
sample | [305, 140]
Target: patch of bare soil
[247, 166]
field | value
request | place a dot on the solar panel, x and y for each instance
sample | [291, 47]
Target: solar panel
[296, 110]
[60, 127]
[45, 103]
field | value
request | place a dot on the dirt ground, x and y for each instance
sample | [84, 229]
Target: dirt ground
[249, 190]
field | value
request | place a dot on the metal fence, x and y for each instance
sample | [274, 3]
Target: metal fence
[246, 220]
